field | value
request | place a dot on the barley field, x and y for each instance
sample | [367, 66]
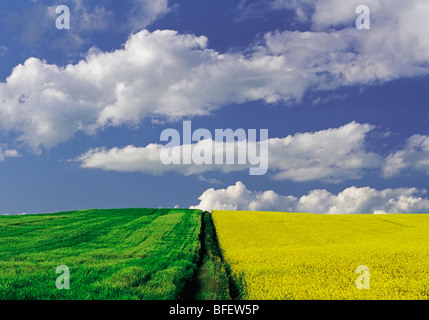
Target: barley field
[296, 256]
[117, 254]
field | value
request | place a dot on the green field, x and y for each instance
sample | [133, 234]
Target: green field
[111, 254]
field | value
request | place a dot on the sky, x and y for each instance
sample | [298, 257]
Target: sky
[83, 109]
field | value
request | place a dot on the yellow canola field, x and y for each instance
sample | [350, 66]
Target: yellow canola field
[307, 256]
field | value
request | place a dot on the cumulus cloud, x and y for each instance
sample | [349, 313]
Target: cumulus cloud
[329, 155]
[46, 104]
[160, 73]
[351, 200]
[173, 75]
[238, 197]
[414, 156]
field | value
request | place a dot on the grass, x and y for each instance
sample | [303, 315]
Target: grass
[212, 278]
[305, 256]
[127, 254]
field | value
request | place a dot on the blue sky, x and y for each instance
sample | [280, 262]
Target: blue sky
[346, 109]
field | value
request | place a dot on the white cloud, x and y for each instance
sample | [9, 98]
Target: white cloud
[160, 73]
[46, 104]
[145, 12]
[148, 160]
[8, 153]
[330, 155]
[173, 75]
[351, 200]
[414, 156]
[238, 197]
[330, 58]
